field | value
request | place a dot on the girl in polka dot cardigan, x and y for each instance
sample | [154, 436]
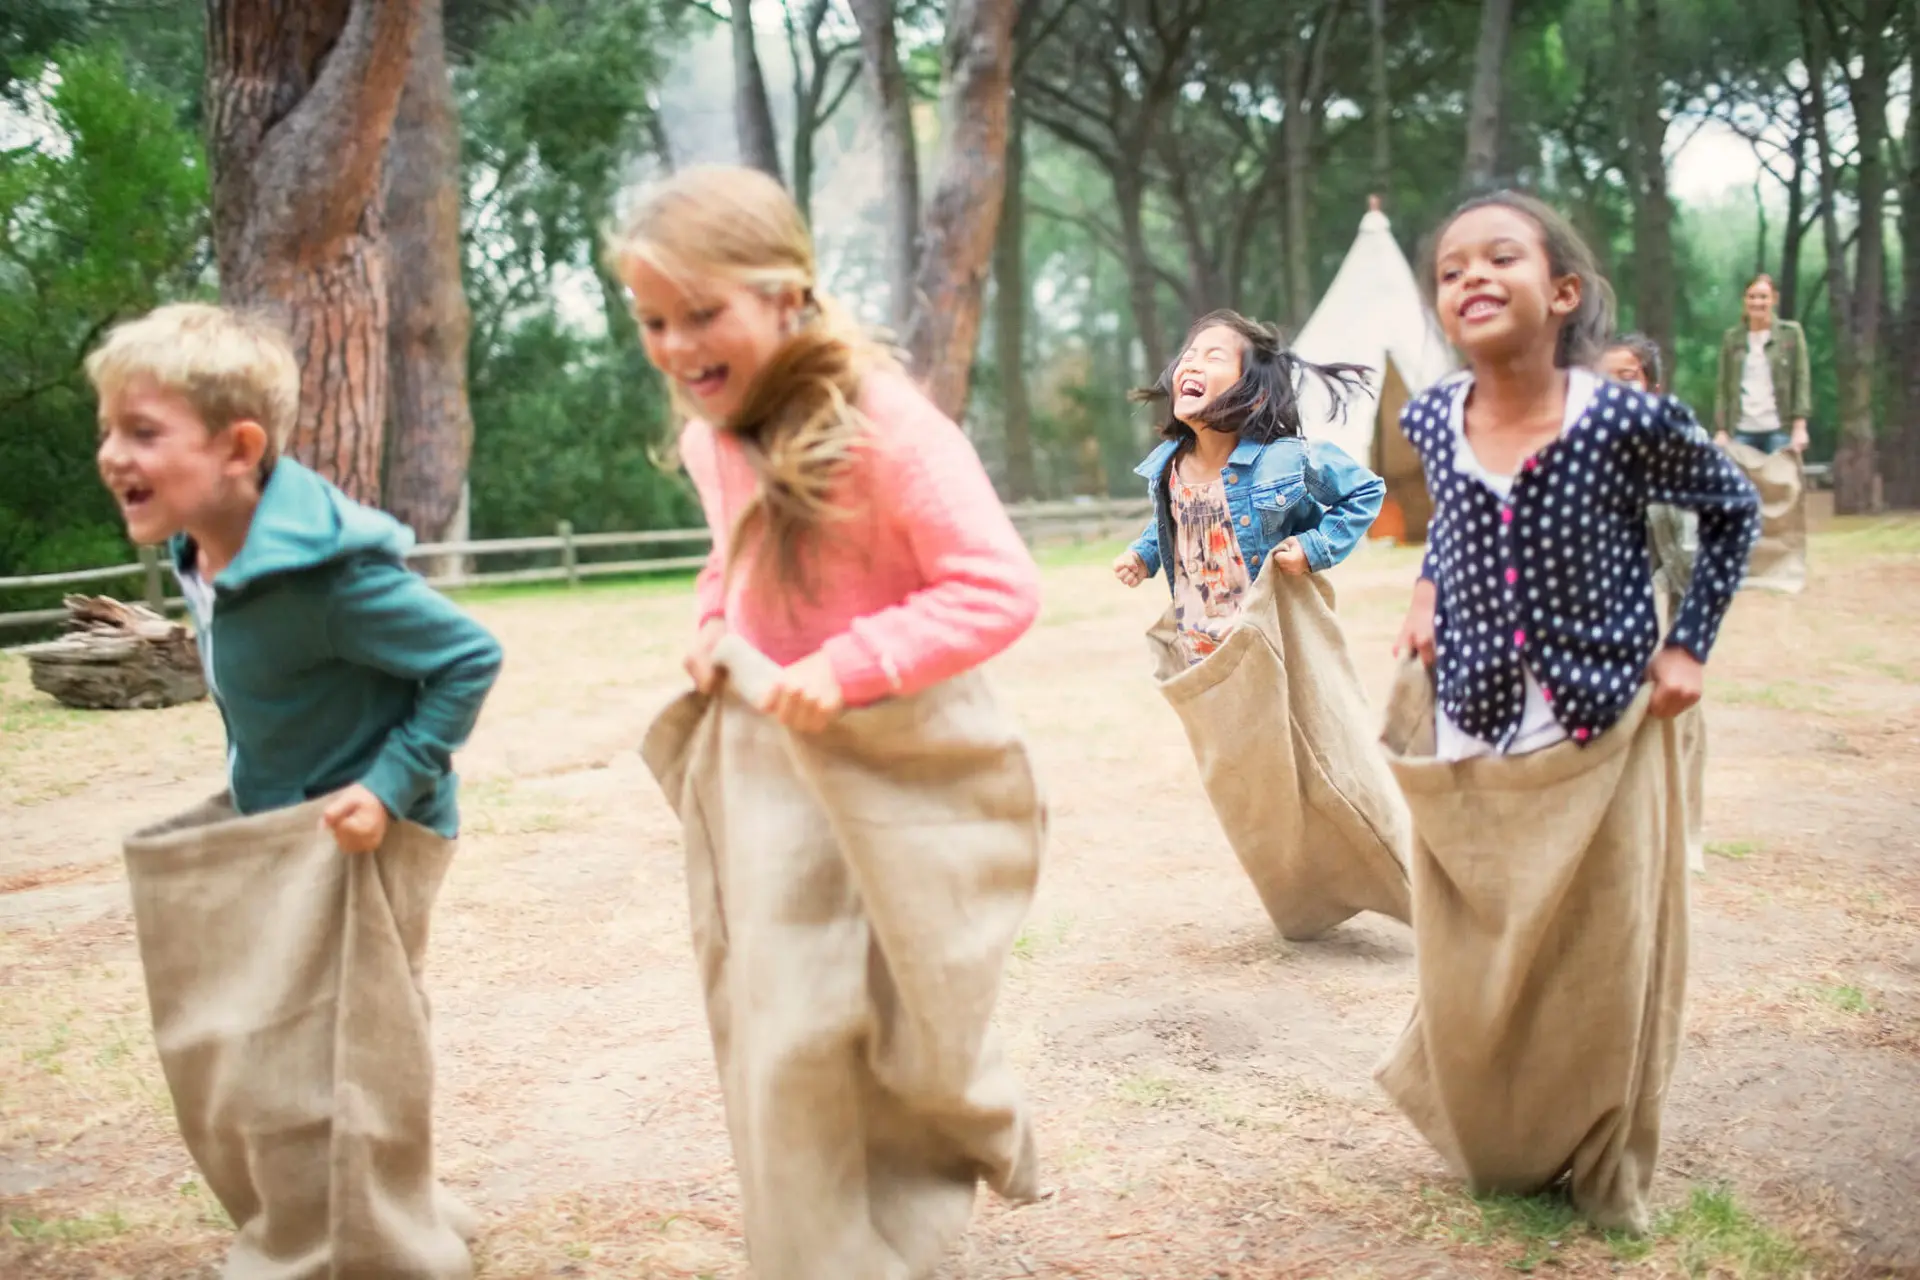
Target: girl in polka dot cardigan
[1535, 603]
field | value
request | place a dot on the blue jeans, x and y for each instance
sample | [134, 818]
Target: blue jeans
[1765, 441]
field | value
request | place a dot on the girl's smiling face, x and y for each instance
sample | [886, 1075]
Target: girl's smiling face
[710, 336]
[1496, 293]
[1213, 361]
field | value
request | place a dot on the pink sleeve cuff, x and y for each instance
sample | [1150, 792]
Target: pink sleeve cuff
[861, 670]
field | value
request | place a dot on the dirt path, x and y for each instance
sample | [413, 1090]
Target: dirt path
[1203, 1087]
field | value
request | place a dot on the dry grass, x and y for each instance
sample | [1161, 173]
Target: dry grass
[1203, 1087]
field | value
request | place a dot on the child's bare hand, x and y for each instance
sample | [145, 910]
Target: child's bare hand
[1678, 678]
[806, 696]
[1130, 568]
[357, 820]
[1416, 631]
[699, 659]
[1291, 558]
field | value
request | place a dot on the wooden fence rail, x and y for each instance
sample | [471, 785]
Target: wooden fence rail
[446, 564]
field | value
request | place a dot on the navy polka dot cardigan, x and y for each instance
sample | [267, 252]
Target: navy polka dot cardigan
[1559, 574]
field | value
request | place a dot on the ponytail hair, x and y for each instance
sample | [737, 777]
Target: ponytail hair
[1264, 405]
[798, 423]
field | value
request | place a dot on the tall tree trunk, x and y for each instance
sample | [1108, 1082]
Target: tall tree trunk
[1483, 110]
[1856, 307]
[1010, 318]
[1902, 458]
[1654, 298]
[1382, 96]
[1296, 134]
[816, 95]
[1793, 235]
[964, 214]
[429, 426]
[899, 153]
[301, 95]
[1306, 78]
[1142, 292]
[752, 112]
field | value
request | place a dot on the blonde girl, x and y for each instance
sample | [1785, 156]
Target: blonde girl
[863, 829]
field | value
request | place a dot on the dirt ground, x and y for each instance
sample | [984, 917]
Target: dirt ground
[1203, 1088]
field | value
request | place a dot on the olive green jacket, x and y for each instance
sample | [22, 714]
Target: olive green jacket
[1792, 381]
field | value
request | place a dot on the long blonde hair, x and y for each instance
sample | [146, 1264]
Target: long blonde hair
[798, 423]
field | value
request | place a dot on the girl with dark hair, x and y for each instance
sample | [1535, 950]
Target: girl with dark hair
[1250, 656]
[1539, 758]
[1234, 482]
[1633, 359]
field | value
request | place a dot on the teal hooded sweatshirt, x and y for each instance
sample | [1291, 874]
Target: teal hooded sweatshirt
[333, 663]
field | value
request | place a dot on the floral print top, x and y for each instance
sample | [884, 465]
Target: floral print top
[1209, 576]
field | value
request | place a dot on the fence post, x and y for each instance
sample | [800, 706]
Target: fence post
[156, 592]
[569, 558]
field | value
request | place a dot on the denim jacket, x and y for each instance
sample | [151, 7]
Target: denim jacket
[1291, 488]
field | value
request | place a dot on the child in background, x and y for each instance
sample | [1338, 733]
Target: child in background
[1540, 763]
[1248, 514]
[1634, 360]
[1234, 482]
[862, 825]
[297, 1050]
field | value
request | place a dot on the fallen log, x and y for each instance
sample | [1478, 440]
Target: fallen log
[118, 656]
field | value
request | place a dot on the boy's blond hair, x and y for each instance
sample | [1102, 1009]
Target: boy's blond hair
[231, 366]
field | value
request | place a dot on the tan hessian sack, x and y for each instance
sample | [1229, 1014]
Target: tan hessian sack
[1284, 739]
[1779, 560]
[855, 894]
[284, 978]
[1550, 939]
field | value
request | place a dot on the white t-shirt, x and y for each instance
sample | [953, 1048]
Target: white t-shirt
[198, 593]
[1538, 728]
[1759, 410]
[199, 596]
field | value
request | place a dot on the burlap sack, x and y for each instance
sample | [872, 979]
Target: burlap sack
[1779, 560]
[855, 894]
[284, 979]
[1550, 928]
[1673, 551]
[1283, 736]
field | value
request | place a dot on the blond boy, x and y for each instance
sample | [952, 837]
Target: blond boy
[335, 667]
[282, 927]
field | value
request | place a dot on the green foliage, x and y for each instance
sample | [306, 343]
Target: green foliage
[99, 221]
[556, 102]
[564, 427]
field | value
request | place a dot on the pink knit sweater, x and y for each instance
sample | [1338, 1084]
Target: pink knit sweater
[926, 579]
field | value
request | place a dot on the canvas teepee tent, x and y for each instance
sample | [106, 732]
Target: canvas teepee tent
[1373, 315]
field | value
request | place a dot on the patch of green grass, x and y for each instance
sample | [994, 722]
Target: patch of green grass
[675, 583]
[47, 1056]
[82, 1230]
[1778, 695]
[1716, 1236]
[1869, 536]
[1846, 999]
[1708, 1234]
[1147, 1091]
[1098, 551]
[1734, 850]
[1036, 938]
